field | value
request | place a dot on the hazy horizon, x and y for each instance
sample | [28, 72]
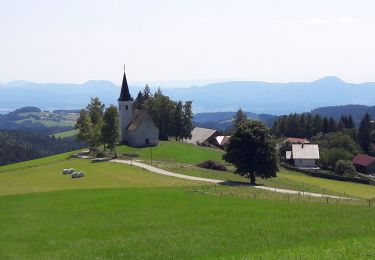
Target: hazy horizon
[165, 40]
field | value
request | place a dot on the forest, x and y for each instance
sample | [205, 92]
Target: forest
[18, 145]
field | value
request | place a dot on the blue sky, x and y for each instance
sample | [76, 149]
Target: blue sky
[202, 41]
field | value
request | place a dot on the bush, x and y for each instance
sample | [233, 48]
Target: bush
[130, 155]
[212, 165]
[345, 168]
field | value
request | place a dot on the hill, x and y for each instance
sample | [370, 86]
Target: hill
[357, 111]
[256, 96]
[120, 211]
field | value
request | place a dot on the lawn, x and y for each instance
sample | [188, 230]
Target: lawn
[45, 175]
[48, 123]
[174, 152]
[286, 179]
[121, 211]
[64, 134]
[173, 223]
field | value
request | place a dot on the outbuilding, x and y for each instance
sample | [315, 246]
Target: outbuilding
[364, 163]
[304, 155]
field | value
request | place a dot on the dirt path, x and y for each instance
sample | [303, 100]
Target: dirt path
[221, 182]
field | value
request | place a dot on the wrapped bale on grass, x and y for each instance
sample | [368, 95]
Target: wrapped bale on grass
[75, 175]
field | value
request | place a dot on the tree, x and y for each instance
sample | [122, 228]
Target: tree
[251, 151]
[110, 129]
[96, 111]
[178, 121]
[239, 118]
[187, 119]
[84, 125]
[345, 168]
[364, 132]
[335, 146]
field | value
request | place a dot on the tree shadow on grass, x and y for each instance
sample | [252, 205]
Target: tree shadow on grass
[238, 183]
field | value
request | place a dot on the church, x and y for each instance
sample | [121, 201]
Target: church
[137, 128]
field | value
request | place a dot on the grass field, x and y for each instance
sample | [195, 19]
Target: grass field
[48, 123]
[122, 212]
[174, 152]
[64, 134]
[170, 223]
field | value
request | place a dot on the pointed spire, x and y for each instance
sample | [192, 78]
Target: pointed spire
[125, 94]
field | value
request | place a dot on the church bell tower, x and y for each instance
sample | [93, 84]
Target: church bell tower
[125, 107]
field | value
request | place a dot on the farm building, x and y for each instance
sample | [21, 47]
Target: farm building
[364, 163]
[136, 126]
[203, 135]
[222, 140]
[303, 155]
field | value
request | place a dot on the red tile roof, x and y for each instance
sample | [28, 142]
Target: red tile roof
[363, 160]
[295, 140]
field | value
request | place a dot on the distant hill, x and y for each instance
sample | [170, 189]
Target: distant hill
[357, 111]
[223, 120]
[258, 97]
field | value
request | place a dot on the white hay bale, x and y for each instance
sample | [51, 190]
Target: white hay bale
[75, 175]
[66, 171]
[71, 170]
[81, 174]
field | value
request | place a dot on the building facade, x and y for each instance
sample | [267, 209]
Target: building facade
[137, 128]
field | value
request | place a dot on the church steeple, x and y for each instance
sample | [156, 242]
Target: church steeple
[125, 94]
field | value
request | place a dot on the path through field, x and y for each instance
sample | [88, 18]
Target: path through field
[222, 182]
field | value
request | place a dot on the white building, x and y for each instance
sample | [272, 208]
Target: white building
[136, 126]
[303, 155]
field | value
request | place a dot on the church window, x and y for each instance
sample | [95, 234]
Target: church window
[147, 141]
[126, 107]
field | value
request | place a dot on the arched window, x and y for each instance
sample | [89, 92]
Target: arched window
[126, 107]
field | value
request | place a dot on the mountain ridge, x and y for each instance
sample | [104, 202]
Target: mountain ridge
[257, 96]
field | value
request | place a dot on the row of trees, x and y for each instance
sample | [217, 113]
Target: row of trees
[174, 119]
[306, 125]
[99, 126]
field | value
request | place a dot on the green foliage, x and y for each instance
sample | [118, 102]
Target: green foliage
[172, 118]
[364, 133]
[18, 146]
[212, 165]
[334, 147]
[252, 152]
[110, 131]
[239, 118]
[345, 168]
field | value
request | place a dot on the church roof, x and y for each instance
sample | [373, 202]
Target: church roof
[125, 94]
[139, 115]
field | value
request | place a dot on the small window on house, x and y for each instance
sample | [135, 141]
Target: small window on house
[126, 107]
[147, 141]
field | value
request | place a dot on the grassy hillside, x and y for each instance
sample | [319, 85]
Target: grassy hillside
[47, 177]
[120, 211]
[64, 134]
[170, 223]
[174, 152]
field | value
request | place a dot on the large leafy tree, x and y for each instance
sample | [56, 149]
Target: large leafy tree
[110, 130]
[252, 152]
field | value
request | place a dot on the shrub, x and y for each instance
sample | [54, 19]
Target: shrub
[212, 165]
[345, 168]
[130, 155]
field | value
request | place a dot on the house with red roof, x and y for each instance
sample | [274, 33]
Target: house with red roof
[364, 163]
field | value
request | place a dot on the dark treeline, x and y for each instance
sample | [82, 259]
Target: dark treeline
[18, 146]
[174, 119]
[306, 125]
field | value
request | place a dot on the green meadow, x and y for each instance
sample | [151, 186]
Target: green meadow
[119, 211]
[69, 133]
